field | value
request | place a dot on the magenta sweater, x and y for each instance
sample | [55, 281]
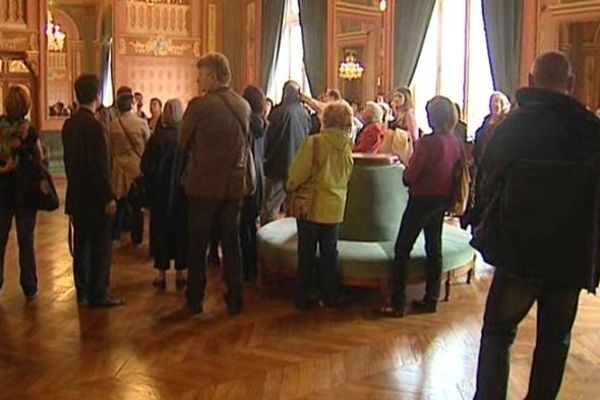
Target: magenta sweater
[431, 168]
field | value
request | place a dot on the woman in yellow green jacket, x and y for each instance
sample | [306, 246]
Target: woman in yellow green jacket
[329, 183]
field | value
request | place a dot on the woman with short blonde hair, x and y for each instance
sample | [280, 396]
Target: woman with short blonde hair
[20, 159]
[162, 167]
[331, 153]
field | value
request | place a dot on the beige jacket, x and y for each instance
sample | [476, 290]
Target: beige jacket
[215, 145]
[125, 157]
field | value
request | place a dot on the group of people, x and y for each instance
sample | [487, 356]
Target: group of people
[209, 174]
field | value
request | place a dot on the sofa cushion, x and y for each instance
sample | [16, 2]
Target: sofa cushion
[277, 247]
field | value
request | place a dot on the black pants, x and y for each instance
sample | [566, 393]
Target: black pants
[25, 218]
[91, 256]
[137, 222]
[203, 214]
[509, 300]
[427, 214]
[325, 275]
[248, 238]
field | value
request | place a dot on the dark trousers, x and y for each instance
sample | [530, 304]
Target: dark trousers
[25, 219]
[248, 238]
[91, 257]
[509, 300]
[203, 215]
[137, 222]
[324, 275]
[427, 214]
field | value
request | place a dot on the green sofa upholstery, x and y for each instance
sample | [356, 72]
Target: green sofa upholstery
[376, 201]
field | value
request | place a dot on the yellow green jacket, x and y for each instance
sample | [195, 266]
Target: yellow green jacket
[331, 181]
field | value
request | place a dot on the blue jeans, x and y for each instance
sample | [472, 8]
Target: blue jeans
[326, 274]
[25, 218]
[509, 300]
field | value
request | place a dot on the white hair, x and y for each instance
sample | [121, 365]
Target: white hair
[375, 112]
[503, 99]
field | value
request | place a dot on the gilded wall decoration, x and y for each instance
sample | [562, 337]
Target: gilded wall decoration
[14, 41]
[212, 27]
[161, 18]
[13, 12]
[159, 47]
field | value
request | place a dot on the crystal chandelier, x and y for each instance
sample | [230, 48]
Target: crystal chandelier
[350, 68]
[56, 38]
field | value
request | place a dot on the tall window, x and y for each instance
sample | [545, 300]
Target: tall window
[454, 62]
[107, 81]
[289, 63]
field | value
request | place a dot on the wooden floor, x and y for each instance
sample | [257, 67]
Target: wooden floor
[149, 349]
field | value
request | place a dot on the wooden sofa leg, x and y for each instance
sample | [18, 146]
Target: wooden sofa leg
[448, 285]
[384, 288]
[471, 273]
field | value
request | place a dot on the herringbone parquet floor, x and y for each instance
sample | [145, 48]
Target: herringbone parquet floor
[149, 349]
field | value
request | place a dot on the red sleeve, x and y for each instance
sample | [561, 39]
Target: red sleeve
[367, 141]
[416, 164]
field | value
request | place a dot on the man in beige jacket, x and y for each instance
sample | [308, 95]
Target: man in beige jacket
[214, 136]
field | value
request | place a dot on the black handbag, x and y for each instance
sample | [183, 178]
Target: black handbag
[138, 195]
[44, 195]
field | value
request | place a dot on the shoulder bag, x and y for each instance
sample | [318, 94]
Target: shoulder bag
[299, 202]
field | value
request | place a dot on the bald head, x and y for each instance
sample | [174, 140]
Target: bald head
[552, 71]
[291, 89]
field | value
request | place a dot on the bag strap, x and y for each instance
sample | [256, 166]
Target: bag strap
[315, 157]
[235, 114]
[129, 138]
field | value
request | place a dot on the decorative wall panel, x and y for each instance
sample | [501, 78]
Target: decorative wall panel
[157, 46]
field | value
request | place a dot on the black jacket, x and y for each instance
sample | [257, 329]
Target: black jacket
[539, 191]
[162, 165]
[289, 125]
[87, 165]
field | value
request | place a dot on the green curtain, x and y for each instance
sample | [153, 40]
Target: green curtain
[313, 19]
[411, 20]
[272, 24]
[504, 25]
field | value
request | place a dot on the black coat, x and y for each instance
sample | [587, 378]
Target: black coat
[539, 189]
[289, 125]
[86, 165]
[162, 165]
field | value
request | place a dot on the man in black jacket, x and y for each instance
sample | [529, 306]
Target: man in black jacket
[290, 124]
[89, 201]
[539, 189]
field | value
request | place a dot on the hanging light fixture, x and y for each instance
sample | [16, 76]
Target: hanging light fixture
[56, 38]
[350, 68]
[382, 5]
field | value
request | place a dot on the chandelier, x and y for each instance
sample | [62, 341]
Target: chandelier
[56, 38]
[350, 68]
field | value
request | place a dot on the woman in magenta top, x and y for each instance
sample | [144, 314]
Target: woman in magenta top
[371, 137]
[430, 181]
